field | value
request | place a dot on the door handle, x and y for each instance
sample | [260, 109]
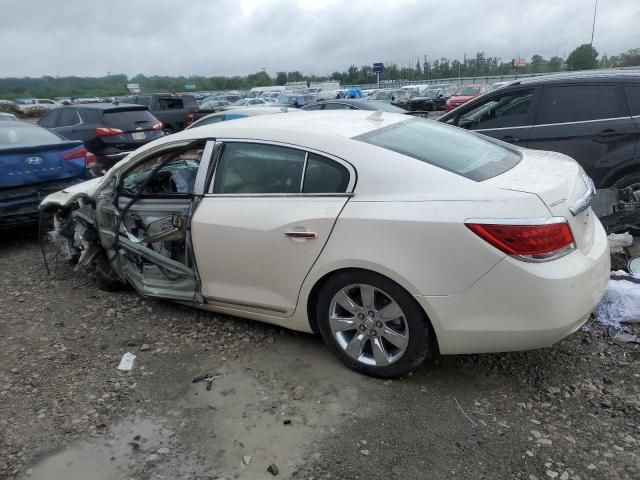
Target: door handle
[302, 235]
[510, 138]
[609, 133]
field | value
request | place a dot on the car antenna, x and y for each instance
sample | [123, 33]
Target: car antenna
[375, 116]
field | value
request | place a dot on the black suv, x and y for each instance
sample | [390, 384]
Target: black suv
[594, 117]
[110, 131]
[175, 111]
[430, 99]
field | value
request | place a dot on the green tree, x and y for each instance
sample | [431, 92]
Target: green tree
[281, 78]
[538, 64]
[554, 65]
[583, 58]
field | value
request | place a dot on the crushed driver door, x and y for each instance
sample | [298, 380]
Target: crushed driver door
[150, 208]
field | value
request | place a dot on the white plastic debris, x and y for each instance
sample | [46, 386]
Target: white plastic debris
[620, 304]
[126, 362]
[617, 241]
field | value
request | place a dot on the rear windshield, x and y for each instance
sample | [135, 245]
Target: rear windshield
[468, 91]
[19, 135]
[453, 149]
[129, 119]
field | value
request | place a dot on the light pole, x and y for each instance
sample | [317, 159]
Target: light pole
[593, 28]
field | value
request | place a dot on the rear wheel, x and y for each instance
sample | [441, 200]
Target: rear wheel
[373, 325]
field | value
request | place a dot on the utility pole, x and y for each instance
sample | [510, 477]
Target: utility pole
[593, 28]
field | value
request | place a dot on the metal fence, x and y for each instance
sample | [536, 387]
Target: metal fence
[480, 79]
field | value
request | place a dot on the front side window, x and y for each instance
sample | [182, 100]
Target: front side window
[257, 168]
[177, 176]
[509, 110]
[577, 103]
[470, 155]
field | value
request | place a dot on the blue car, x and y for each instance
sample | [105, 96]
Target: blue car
[35, 162]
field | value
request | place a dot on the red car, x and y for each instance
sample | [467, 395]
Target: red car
[464, 94]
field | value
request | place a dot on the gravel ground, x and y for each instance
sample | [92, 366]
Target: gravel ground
[568, 412]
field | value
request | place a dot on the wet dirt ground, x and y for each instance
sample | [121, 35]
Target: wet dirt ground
[279, 398]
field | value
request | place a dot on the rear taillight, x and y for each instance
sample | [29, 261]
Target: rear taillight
[108, 131]
[157, 126]
[191, 117]
[81, 152]
[528, 241]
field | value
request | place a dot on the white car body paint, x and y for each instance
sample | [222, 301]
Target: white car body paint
[405, 220]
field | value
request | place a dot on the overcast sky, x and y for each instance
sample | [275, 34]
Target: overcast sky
[237, 37]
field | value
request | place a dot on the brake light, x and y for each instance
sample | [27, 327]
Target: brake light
[81, 152]
[108, 131]
[191, 117]
[157, 126]
[535, 242]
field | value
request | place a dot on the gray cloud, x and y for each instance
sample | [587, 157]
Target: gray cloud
[231, 37]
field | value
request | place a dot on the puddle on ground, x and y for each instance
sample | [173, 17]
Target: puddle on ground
[250, 412]
[113, 457]
[245, 412]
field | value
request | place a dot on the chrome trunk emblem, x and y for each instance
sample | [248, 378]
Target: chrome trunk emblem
[33, 161]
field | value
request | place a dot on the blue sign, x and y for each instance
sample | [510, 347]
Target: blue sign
[378, 67]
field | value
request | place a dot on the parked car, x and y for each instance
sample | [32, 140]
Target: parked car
[393, 238]
[296, 100]
[237, 113]
[396, 96]
[464, 94]
[33, 163]
[28, 105]
[429, 99]
[109, 131]
[591, 117]
[175, 111]
[248, 102]
[8, 117]
[212, 106]
[347, 104]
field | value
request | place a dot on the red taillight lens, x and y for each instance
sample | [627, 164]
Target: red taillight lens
[538, 242]
[81, 152]
[157, 126]
[191, 117]
[107, 131]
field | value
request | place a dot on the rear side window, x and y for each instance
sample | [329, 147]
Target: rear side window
[189, 102]
[324, 176]
[470, 155]
[129, 119]
[17, 136]
[577, 103]
[170, 104]
[633, 94]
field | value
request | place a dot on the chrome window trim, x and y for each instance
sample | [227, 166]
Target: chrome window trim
[304, 170]
[498, 128]
[582, 121]
[350, 186]
[276, 195]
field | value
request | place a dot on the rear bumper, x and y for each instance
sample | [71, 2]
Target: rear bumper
[20, 205]
[522, 306]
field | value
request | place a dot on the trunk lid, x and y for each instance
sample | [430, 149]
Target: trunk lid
[44, 163]
[559, 182]
[136, 123]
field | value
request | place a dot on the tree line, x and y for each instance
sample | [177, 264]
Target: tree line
[583, 57]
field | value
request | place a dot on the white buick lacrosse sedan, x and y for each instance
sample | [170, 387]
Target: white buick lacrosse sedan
[392, 237]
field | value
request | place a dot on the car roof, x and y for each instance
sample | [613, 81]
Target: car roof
[338, 123]
[584, 76]
[105, 106]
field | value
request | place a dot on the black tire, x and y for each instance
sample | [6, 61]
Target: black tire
[422, 340]
[105, 276]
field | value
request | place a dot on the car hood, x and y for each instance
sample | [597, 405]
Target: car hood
[64, 198]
